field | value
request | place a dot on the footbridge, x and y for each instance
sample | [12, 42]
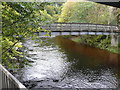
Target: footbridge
[83, 29]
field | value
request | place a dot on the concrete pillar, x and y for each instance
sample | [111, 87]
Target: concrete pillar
[115, 40]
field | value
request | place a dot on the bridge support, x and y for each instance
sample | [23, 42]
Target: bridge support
[115, 40]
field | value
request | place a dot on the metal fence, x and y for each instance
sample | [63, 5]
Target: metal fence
[8, 81]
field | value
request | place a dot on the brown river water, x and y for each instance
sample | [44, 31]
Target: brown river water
[60, 63]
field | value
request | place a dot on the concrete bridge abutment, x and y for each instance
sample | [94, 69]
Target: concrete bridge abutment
[115, 40]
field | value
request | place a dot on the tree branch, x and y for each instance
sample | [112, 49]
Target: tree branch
[9, 48]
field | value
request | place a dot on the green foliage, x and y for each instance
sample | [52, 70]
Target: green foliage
[80, 12]
[67, 11]
[20, 20]
[118, 44]
[113, 49]
[87, 12]
[99, 41]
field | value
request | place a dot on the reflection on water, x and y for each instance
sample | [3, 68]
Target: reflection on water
[87, 55]
[62, 63]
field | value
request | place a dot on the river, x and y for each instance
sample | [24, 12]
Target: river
[61, 63]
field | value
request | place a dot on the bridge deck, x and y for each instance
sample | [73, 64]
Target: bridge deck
[81, 27]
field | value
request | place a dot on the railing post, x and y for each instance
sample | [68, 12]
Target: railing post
[88, 27]
[79, 27]
[96, 27]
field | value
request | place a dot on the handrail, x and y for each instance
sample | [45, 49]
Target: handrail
[9, 81]
[89, 27]
[83, 23]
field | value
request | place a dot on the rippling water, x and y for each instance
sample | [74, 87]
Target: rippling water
[62, 63]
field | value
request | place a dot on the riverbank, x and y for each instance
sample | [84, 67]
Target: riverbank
[99, 41]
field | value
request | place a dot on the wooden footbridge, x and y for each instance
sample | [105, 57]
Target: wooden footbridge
[81, 28]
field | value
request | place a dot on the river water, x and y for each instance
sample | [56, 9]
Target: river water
[61, 63]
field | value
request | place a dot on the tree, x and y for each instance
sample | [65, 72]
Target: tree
[87, 12]
[66, 11]
[90, 12]
[20, 20]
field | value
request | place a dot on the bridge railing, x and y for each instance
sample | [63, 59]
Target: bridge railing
[8, 81]
[81, 27]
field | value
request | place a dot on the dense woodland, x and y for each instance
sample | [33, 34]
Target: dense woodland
[90, 12]
[21, 19]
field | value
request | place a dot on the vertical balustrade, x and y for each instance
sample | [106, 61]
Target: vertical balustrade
[79, 27]
[96, 27]
[88, 27]
[9, 81]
